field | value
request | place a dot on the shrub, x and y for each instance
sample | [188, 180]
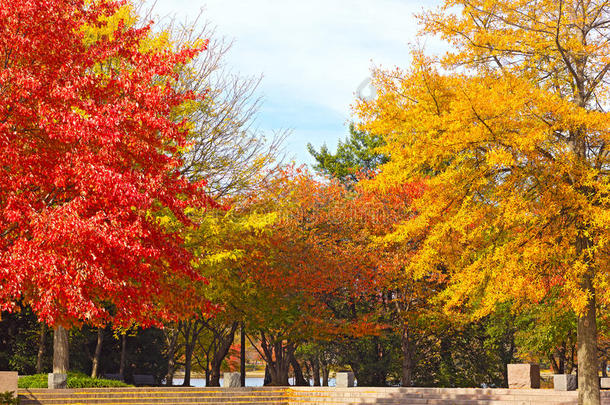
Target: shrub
[75, 380]
[33, 381]
[8, 398]
[84, 381]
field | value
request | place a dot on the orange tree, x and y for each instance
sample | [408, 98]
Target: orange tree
[513, 134]
[322, 273]
[402, 302]
[297, 266]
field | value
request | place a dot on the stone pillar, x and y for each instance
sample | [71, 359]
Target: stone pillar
[231, 380]
[8, 381]
[523, 376]
[565, 382]
[344, 379]
[57, 381]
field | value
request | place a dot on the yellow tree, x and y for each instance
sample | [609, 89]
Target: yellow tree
[512, 136]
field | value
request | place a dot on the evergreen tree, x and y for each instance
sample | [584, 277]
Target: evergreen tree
[358, 153]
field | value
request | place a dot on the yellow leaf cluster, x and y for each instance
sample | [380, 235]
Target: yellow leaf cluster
[506, 195]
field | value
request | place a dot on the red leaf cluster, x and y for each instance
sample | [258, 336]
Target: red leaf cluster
[88, 159]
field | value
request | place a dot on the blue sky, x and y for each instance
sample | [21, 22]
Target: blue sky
[313, 55]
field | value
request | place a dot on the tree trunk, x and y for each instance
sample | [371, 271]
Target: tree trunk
[98, 353]
[586, 334]
[280, 368]
[315, 367]
[279, 374]
[214, 376]
[41, 348]
[588, 376]
[242, 356]
[325, 373]
[267, 379]
[61, 350]
[299, 379]
[172, 343]
[554, 365]
[276, 353]
[572, 363]
[190, 330]
[208, 372]
[224, 345]
[187, 329]
[123, 356]
[406, 378]
[188, 361]
[564, 358]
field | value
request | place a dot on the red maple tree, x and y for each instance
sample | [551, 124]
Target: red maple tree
[88, 163]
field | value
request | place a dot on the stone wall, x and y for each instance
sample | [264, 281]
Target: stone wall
[8, 381]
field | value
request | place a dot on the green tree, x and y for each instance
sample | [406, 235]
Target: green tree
[358, 153]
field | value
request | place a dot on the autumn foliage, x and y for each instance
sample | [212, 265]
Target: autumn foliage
[295, 261]
[511, 129]
[482, 203]
[88, 151]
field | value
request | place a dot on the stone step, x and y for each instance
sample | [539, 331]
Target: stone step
[428, 391]
[134, 398]
[319, 399]
[438, 401]
[281, 401]
[156, 390]
[446, 400]
[106, 391]
[151, 400]
[132, 394]
[432, 395]
[305, 391]
[168, 394]
[148, 401]
[299, 396]
[390, 399]
[305, 401]
[127, 398]
[143, 397]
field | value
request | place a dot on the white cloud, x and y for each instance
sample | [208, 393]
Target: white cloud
[310, 52]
